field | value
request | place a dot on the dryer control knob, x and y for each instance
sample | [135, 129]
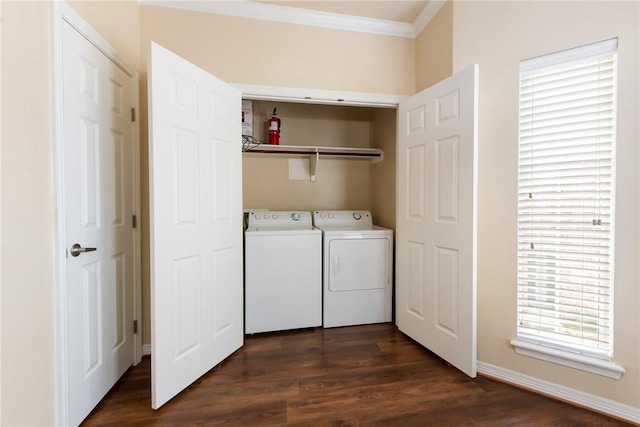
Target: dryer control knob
[330, 215]
[266, 217]
[295, 216]
[322, 215]
[357, 216]
[274, 216]
[257, 217]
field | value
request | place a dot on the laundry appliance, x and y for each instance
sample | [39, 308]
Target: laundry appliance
[357, 272]
[283, 271]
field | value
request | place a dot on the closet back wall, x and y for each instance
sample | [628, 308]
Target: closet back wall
[340, 183]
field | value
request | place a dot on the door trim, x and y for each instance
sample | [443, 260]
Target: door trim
[61, 12]
[318, 96]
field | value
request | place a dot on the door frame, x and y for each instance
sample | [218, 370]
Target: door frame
[61, 12]
[318, 96]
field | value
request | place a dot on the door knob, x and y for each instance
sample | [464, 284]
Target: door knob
[76, 249]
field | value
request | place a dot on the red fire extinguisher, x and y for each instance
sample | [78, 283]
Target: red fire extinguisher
[274, 129]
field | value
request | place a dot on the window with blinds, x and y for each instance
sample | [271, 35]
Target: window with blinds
[566, 199]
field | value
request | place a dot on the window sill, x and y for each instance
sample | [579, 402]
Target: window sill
[573, 360]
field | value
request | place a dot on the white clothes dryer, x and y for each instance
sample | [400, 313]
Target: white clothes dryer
[283, 272]
[357, 271]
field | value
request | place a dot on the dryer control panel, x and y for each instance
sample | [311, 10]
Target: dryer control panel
[340, 218]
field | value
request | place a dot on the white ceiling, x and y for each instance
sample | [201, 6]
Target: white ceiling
[400, 10]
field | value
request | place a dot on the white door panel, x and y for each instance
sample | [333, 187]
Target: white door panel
[97, 174]
[437, 203]
[196, 229]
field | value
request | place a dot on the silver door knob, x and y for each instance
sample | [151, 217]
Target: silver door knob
[76, 249]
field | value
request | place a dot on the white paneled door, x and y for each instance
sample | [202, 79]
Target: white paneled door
[97, 154]
[196, 222]
[436, 225]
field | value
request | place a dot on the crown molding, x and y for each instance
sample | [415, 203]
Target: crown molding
[428, 13]
[292, 15]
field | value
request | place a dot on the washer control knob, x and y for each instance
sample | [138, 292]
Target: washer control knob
[322, 215]
[257, 216]
[266, 216]
[274, 216]
[330, 215]
[295, 216]
[357, 216]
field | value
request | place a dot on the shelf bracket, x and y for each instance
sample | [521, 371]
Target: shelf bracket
[314, 160]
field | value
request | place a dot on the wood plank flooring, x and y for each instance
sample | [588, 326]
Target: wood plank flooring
[353, 376]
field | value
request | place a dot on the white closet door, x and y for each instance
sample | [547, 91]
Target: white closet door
[437, 204]
[97, 180]
[196, 222]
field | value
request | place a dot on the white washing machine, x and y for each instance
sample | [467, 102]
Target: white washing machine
[357, 268]
[283, 272]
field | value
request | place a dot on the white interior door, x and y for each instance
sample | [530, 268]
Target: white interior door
[98, 195]
[436, 228]
[196, 222]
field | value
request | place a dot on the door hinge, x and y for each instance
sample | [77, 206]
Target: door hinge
[135, 326]
[134, 221]
[133, 114]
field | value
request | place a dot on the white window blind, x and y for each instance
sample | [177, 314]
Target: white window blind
[565, 199]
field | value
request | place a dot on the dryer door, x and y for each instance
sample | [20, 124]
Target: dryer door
[359, 264]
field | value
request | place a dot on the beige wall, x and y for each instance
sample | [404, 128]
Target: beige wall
[117, 21]
[497, 36]
[383, 174]
[27, 217]
[241, 50]
[434, 49]
[28, 388]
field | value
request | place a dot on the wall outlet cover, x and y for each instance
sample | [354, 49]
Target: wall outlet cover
[299, 169]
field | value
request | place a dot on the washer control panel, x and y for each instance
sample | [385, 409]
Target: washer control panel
[279, 219]
[339, 218]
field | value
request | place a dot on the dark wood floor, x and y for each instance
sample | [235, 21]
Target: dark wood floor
[362, 375]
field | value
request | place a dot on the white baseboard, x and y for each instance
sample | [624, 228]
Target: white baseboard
[595, 403]
[146, 349]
